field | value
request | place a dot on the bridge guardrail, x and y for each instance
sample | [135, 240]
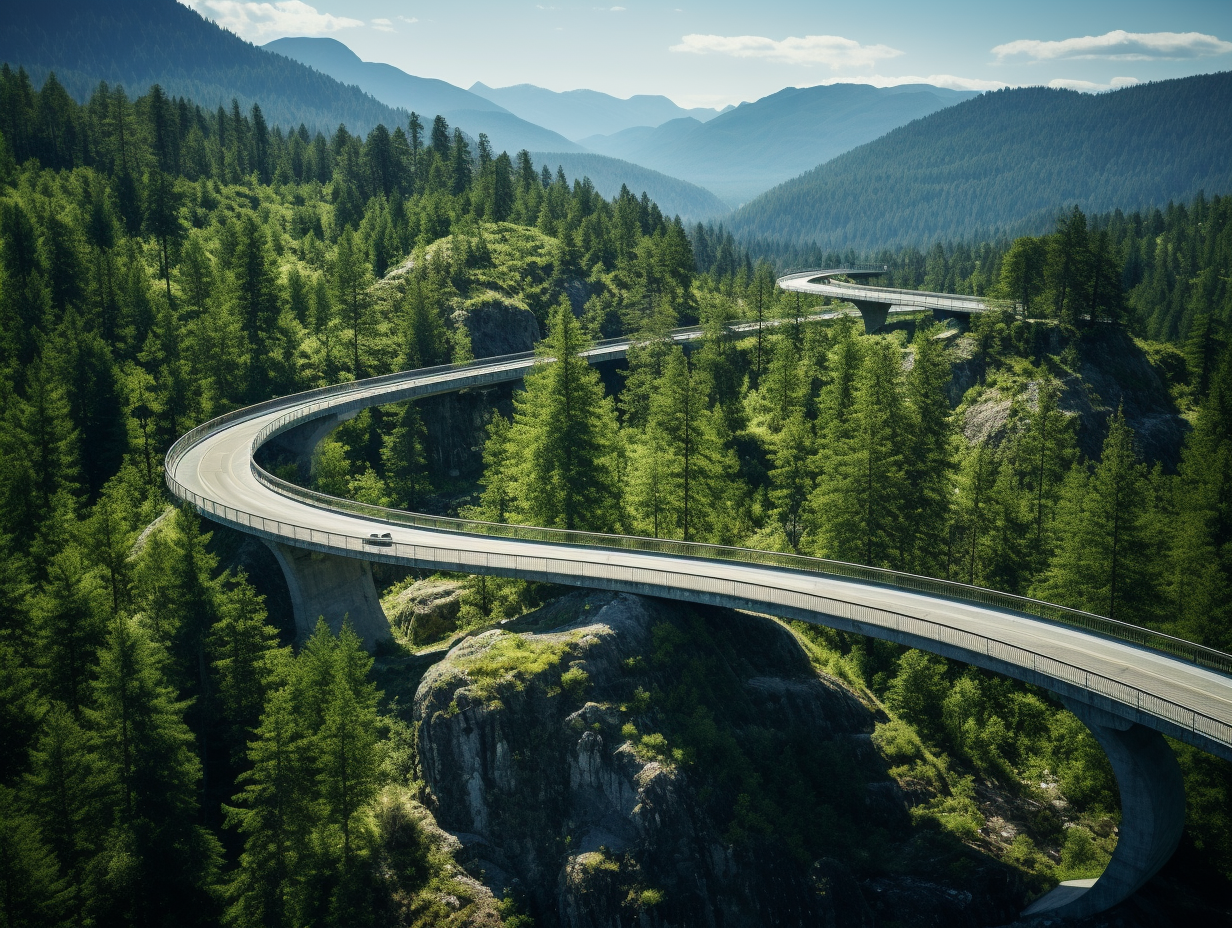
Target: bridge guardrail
[328, 398]
[1184, 718]
[944, 300]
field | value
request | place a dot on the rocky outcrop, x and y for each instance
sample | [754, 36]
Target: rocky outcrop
[456, 426]
[425, 611]
[456, 423]
[1113, 372]
[497, 328]
[610, 769]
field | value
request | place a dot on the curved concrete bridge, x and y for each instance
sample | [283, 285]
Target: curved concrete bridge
[876, 303]
[1129, 685]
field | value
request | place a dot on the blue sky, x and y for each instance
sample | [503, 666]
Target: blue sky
[723, 52]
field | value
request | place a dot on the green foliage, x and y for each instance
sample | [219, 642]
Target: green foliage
[510, 659]
[563, 440]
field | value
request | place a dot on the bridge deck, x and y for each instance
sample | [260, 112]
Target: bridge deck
[213, 469]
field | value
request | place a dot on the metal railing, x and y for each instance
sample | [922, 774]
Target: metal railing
[313, 404]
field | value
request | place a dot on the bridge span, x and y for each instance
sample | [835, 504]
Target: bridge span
[1129, 685]
[876, 303]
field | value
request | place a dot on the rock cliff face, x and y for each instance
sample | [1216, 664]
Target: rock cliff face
[456, 423]
[628, 768]
[1113, 372]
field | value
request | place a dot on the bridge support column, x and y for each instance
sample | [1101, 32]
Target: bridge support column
[331, 587]
[1152, 815]
[874, 314]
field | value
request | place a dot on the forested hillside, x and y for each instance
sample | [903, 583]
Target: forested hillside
[166, 760]
[1006, 162]
[136, 43]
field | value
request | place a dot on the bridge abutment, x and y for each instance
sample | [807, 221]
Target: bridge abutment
[334, 588]
[1152, 815]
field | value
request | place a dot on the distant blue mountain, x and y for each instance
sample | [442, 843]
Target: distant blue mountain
[576, 114]
[1006, 163]
[749, 149]
[424, 95]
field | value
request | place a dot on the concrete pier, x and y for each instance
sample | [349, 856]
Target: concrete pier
[334, 588]
[1152, 815]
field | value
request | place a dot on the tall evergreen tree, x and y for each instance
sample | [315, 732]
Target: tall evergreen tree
[564, 437]
[1103, 561]
[156, 865]
[858, 499]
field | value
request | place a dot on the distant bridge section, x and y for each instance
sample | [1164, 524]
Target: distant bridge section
[876, 303]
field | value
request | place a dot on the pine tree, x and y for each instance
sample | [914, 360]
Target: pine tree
[352, 277]
[424, 336]
[858, 499]
[792, 478]
[59, 790]
[693, 454]
[1047, 452]
[404, 457]
[761, 296]
[928, 462]
[246, 660]
[274, 814]
[71, 619]
[497, 498]
[1103, 559]
[1199, 576]
[31, 889]
[156, 866]
[564, 440]
[1022, 272]
[346, 743]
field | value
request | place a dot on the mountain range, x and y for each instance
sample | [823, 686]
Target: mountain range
[576, 114]
[136, 43]
[843, 166]
[426, 96]
[755, 146]
[1007, 162]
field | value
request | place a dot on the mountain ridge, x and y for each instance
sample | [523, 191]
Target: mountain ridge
[426, 96]
[579, 113]
[136, 43]
[970, 170]
[755, 146]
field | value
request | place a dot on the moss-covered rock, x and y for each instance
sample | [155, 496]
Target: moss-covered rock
[425, 611]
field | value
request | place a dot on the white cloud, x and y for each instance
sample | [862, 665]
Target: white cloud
[383, 25]
[1120, 46]
[832, 50]
[949, 81]
[1063, 83]
[268, 20]
[404, 19]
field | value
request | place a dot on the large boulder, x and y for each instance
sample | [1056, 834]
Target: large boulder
[425, 611]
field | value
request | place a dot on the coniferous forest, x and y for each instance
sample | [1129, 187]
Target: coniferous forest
[169, 759]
